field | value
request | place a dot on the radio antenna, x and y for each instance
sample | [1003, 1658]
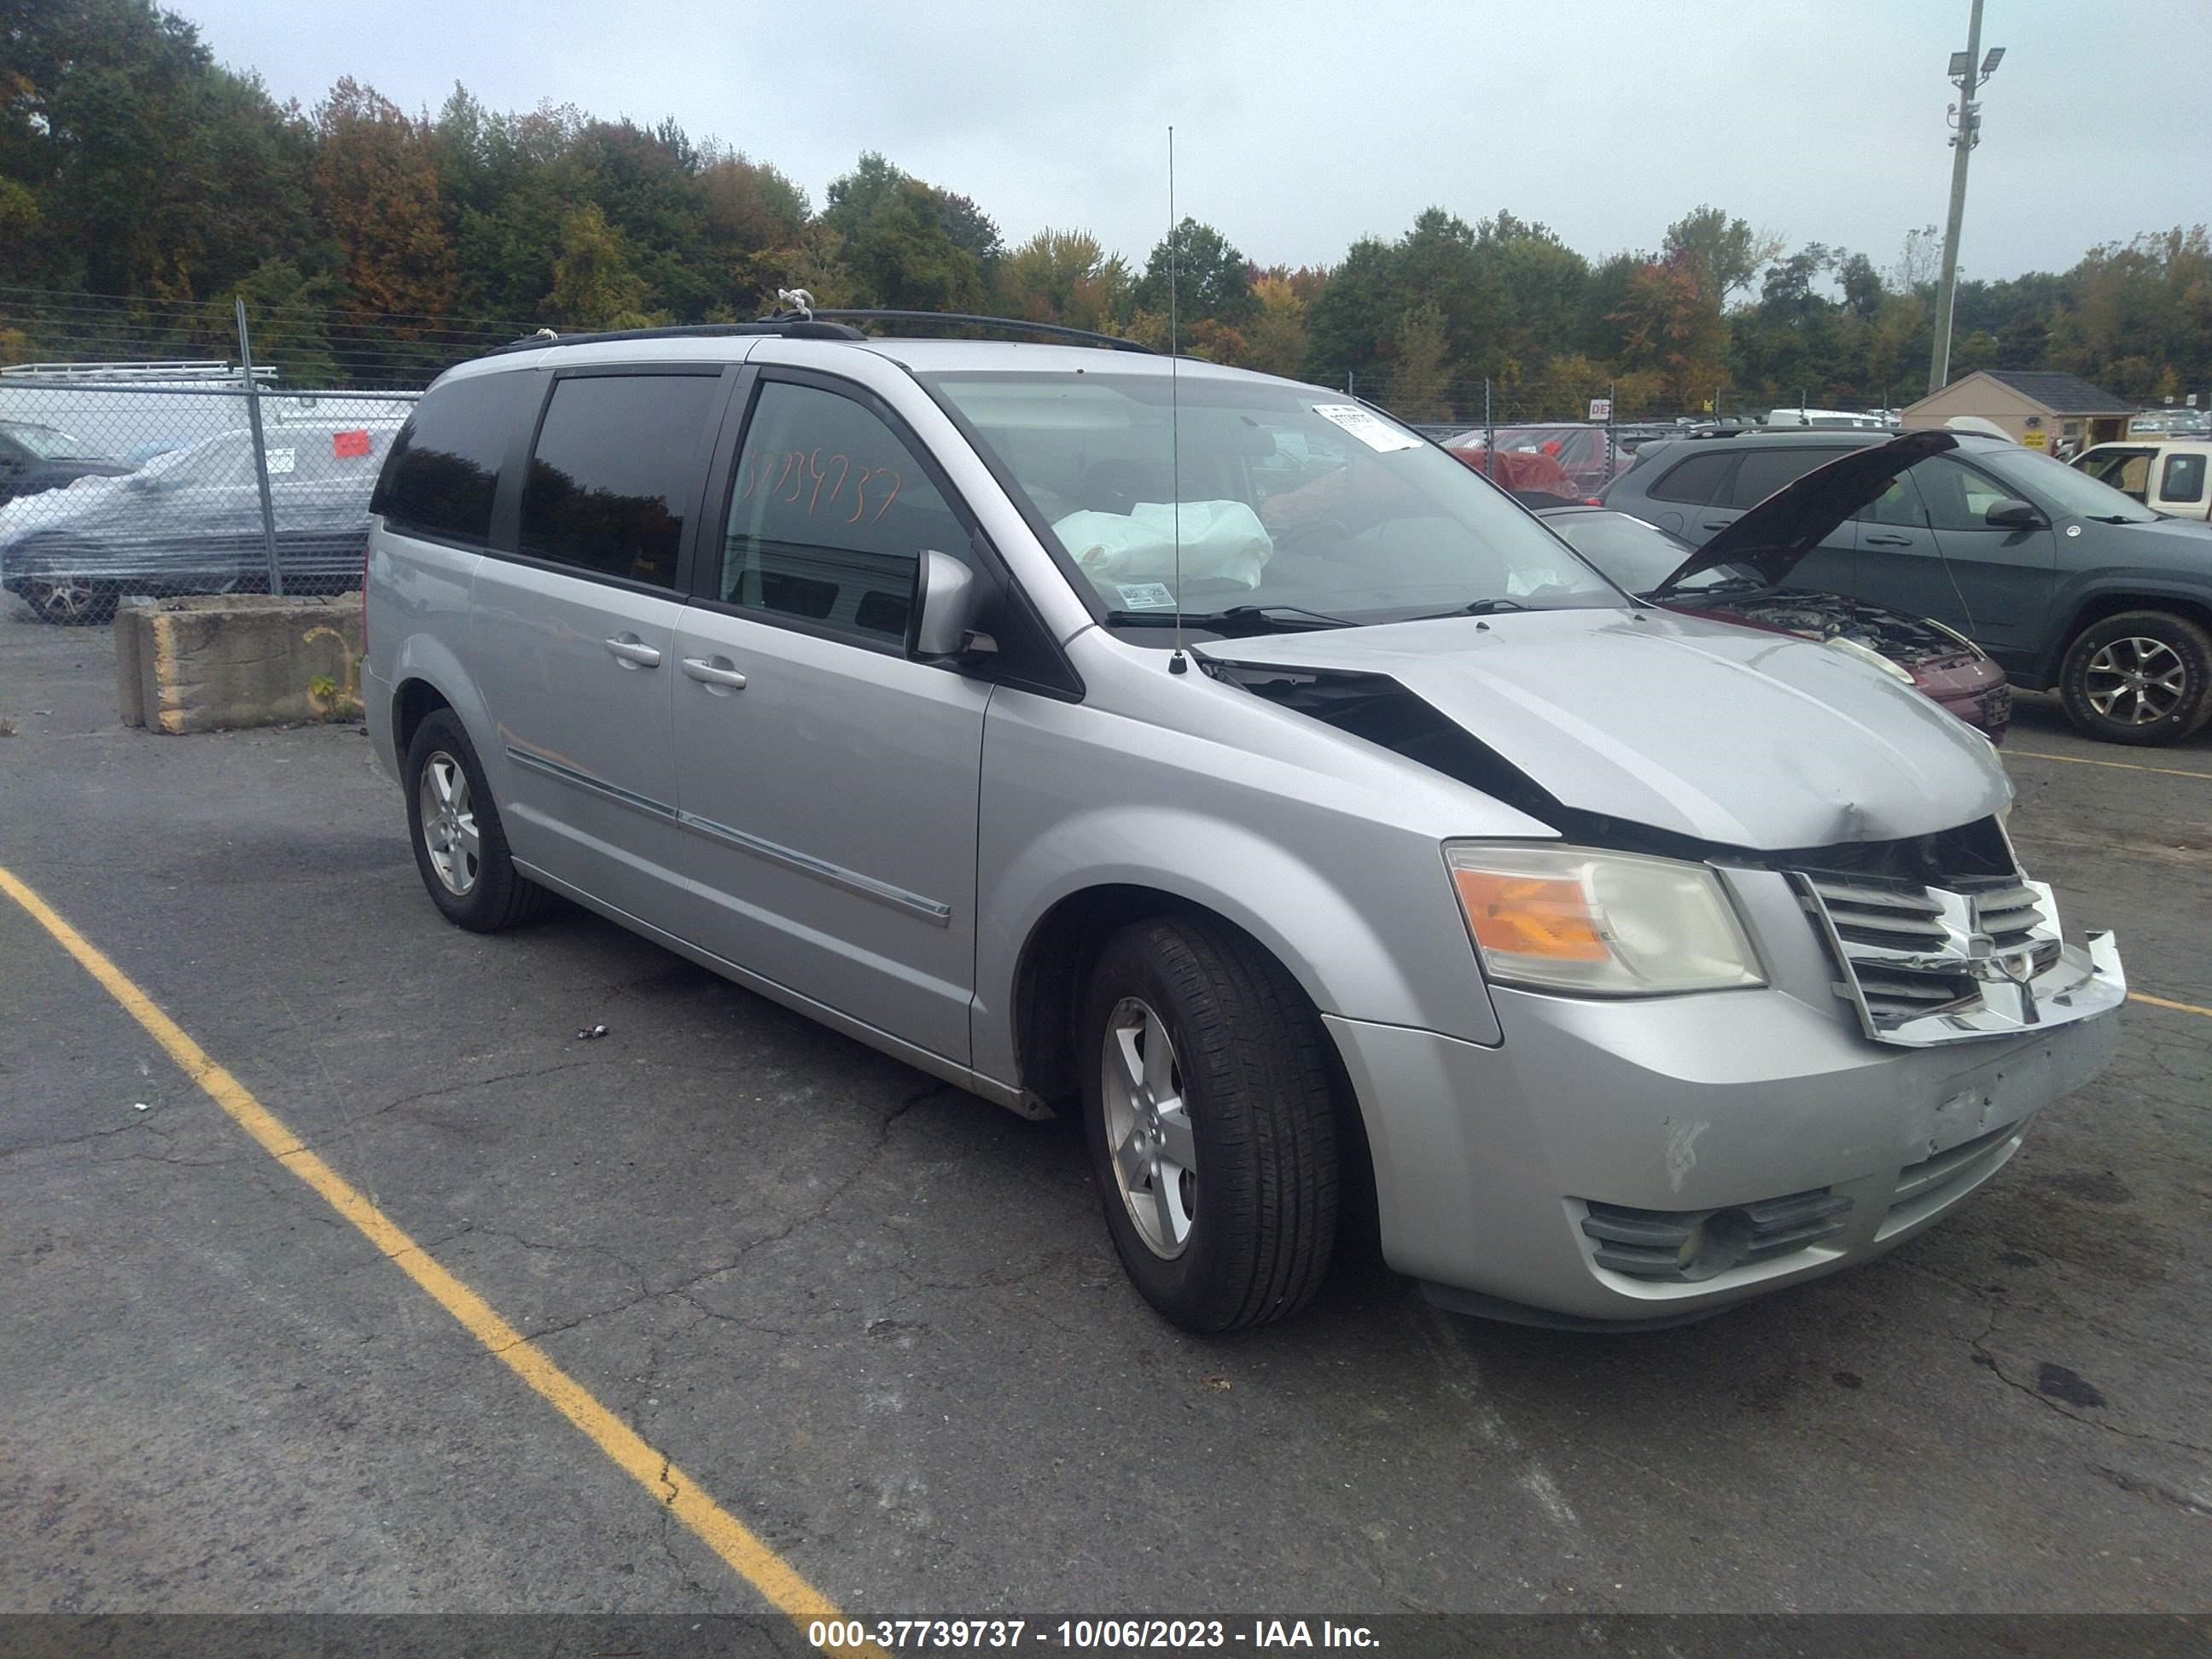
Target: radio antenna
[1177, 662]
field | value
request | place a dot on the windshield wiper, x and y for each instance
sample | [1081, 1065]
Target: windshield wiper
[2119, 517]
[1248, 618]
[1474, 608]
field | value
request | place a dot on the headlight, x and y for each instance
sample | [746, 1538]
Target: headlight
[1600, 924]
[1852, 648]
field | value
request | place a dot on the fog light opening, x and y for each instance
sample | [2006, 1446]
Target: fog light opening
[1718, 1242]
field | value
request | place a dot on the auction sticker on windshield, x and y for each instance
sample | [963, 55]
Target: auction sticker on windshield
[1145, 596]
[1375, 434]
[280, 460]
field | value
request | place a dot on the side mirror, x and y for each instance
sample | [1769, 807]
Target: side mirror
[2014, 515]
[945, 601]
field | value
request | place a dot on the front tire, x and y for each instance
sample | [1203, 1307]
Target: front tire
[2142, 677]
[67, 602]
[1210, 1122]
[460, 845]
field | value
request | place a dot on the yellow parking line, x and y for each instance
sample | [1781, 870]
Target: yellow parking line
[737, 1544]
[2085, 760]
[2161, 1002]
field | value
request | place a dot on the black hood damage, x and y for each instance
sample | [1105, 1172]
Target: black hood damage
[1378, 709]
[1774, 537]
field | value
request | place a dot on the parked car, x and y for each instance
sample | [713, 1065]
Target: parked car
[1581, 450]
[35, 458]
[2164, 474]
[190, 522]
[1529, 476]
[1739, 576]
[1328, 838]
[2069, 585]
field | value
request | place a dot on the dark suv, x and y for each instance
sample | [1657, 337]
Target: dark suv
[2068, 583]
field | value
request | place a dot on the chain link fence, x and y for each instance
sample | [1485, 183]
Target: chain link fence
[166, 479]
[164, 448]
[1562, 438]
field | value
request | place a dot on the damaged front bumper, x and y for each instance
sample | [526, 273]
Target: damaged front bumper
[1643, 1162]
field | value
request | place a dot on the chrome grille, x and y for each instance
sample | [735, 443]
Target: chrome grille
[1917, 960]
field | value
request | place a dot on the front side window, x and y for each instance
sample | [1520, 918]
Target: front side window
[2056, 488]
[2184, 480]
[613, 473]
[829, 514]
[2127, 471]
[1268, 503]
[443, 470]
[1957, 497]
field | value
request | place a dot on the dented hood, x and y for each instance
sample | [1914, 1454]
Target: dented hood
[1750, 739]
[1775, 537]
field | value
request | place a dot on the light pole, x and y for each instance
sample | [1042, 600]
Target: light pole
[1968, 79]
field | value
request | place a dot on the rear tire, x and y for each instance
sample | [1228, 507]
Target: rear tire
[461, 846]
[1209, 1113]
[2140, 676]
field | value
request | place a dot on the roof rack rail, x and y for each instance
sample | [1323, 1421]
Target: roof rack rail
[816, 325]
[798, 328]
[965, 319]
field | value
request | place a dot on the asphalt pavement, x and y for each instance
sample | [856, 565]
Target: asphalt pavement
[879, 1322]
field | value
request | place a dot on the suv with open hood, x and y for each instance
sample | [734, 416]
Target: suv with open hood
[2072, 586]
[1209, 757]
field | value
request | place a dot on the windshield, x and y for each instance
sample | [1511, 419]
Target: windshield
[1291, 501]
[2058, 487]
[48, 445]
[1639, 556]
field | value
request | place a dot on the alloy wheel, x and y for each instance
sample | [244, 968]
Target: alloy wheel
[64, 601]
[2136, 680]
[449, 823]
[1148, 1132]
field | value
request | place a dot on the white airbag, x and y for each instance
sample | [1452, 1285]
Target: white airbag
[1222, 541]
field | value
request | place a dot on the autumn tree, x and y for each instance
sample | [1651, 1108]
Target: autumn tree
[1064, 276]
[377, 177]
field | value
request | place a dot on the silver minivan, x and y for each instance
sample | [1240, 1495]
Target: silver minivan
[1212, 757]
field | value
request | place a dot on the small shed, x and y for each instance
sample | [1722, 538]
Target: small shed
[2042, 408]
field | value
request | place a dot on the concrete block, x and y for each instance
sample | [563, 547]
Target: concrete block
[213, 663]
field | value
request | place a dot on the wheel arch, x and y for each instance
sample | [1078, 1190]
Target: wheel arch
[2087, 610]
[1055, 965]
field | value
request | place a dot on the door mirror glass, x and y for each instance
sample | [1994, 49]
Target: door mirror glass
[944, 605]
[2013, 514]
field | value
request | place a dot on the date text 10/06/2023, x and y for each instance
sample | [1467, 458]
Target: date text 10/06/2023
[1087, 1635]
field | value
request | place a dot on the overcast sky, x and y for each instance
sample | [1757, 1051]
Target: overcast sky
[1301, 127]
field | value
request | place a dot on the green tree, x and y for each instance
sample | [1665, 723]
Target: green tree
[593, 285]
[899, 242]
[1212, 280]
[1421, 366]
[1064, 276]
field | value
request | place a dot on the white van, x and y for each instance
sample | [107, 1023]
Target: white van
[1825, 417]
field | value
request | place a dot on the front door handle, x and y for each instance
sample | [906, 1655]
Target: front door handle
[633, 653]
[708, 673]
[1889, 541]
[1719, 524]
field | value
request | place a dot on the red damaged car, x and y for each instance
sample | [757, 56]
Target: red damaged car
[1739, 576]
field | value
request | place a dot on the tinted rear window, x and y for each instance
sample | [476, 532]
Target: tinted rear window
[444, 466]
[615, 472]
[1765, 470]
[1695, 481]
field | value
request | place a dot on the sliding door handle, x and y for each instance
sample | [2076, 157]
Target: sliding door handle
[708, 673]
[1889, 541]
[633, 653]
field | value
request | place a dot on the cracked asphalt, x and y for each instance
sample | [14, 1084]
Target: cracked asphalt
[880, 1322]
